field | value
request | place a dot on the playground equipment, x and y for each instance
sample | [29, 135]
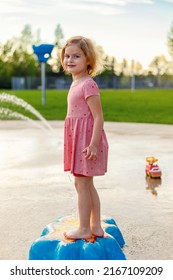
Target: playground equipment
[152, 170]
[52, 245]
[43, 53]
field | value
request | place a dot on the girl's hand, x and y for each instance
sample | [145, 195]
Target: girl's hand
[90, 152]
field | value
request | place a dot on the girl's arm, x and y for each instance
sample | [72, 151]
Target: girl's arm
[94, 104]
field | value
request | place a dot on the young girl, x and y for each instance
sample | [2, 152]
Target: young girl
[85, 143]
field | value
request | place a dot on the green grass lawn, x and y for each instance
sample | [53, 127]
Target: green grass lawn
[146, 106]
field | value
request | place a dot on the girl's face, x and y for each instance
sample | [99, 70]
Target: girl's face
[75, 61]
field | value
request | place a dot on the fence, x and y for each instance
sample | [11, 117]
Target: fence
[114, 82]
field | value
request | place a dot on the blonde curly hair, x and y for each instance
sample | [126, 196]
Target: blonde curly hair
[89, 49]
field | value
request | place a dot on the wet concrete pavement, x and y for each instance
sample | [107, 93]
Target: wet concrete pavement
[34, 190]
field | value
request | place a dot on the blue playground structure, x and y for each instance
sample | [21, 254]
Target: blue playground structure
[52, 244]
[43, 53]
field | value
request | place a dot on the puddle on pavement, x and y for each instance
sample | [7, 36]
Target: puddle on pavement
[30, 156]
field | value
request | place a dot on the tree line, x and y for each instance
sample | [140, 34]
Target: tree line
[17, 59]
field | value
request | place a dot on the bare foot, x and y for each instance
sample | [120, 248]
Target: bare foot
[97, 231]
[78, 234]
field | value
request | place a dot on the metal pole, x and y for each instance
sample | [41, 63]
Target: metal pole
[43, 82]
[133, 83]
[133, 76]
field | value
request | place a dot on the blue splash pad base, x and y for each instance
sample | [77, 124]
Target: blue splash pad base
[52, 245]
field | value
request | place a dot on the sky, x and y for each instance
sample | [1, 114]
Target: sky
[131, 29]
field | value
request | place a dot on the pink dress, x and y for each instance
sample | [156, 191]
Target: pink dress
[78, 132]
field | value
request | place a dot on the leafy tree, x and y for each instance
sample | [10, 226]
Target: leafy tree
[59, 35]
[170, 40]
[138, 68]
[158, 67]
[5, 73]
[16, 58]
[37, 40]
[23, 63]
[122, 68]
[26, 35]
[55, 62]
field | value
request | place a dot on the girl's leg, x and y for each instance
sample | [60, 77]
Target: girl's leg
[82, 185]
[95, 223]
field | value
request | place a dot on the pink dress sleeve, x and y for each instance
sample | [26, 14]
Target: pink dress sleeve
[90, 88]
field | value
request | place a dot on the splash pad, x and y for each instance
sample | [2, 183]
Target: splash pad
[52, 245]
